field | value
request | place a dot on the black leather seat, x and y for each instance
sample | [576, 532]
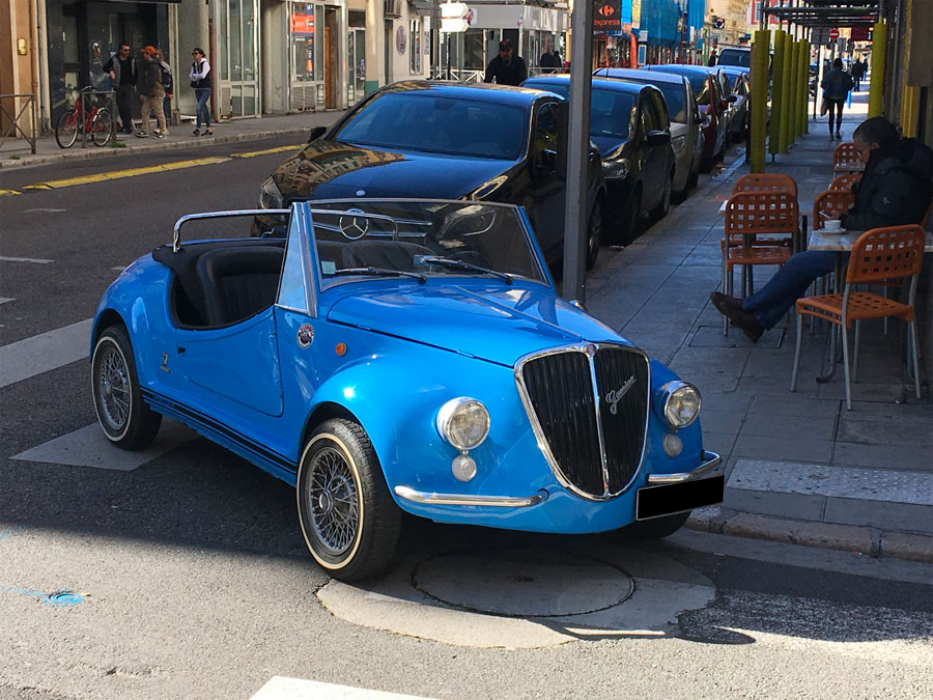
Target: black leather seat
[390, 255]
[239, 282]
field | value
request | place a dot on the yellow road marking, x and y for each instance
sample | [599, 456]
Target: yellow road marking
[119, 174]
[9, 193]
[280, 149]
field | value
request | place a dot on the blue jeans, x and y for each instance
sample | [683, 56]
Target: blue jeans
[771, 302]
[203, 95]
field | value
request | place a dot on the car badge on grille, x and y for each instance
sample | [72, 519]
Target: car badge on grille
[614, 396]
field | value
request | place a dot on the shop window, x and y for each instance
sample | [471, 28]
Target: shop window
[474, 49]
[302, 35]
[414, 54]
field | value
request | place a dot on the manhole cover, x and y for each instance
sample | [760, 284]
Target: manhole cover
[520, 583]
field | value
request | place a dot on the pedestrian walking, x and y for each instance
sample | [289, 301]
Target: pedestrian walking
[551, 61]
[713, 57]
[168, 84]
[506, 69]
[836, 88]
[151, 94]
[896, 188]
[858, 72]
[201, 82]
[122, 70]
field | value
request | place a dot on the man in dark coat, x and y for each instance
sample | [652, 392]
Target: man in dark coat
[505, 68]
[122, 69]
[896, 189]
[858, 72]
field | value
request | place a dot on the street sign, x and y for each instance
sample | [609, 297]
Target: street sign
[453, 10]
[450, 25]
[455, 17]
[607, 15]
[833, 34]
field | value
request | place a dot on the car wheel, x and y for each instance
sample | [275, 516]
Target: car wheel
[126, 419]
[594, 235]
[629, 226]
[664, 206]
[659, 528]
[348, 518]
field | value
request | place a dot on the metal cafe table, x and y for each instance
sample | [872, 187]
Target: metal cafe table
[841, 244]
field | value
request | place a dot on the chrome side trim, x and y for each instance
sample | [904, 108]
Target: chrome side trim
[539, 431]
[708, 468]
[453, 499]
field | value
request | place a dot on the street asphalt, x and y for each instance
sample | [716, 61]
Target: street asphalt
[193, 581]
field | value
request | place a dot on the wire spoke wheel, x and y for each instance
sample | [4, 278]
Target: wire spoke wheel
[66, 130]
[113, 389]
[102, 128]
[333, 498]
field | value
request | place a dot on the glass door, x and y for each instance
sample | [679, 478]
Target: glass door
[238, 38]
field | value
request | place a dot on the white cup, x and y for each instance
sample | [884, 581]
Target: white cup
[832, 224]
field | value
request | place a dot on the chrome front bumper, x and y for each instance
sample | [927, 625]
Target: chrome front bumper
[710, 467]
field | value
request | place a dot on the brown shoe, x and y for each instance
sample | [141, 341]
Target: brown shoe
[724, 301]
[745, 322]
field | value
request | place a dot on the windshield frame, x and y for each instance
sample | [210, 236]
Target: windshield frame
[321, 287]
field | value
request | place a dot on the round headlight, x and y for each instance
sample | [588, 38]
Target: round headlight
[682, 405]
[463, 422]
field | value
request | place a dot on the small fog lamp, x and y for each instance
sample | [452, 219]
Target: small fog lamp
[681, 404]
[673, 445]
[463, 422]
[463, 467]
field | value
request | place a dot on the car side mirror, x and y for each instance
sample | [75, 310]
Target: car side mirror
[658, 138]
[316, 133]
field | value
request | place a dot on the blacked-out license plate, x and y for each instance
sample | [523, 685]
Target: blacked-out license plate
[675, 498]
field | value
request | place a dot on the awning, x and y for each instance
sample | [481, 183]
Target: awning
[828, 13]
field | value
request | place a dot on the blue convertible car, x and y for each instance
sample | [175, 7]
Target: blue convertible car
[406, 355]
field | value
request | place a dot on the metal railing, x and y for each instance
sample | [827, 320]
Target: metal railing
[16, 126]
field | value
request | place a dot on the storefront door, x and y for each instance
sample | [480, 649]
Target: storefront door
[236, 41]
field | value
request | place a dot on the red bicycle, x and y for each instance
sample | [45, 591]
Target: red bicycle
[98, 123]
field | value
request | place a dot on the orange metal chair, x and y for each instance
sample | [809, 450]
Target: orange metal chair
[748, 215]
[846, 159]
[879, 254]
[765, 182]
[832, 204]
[845, 182]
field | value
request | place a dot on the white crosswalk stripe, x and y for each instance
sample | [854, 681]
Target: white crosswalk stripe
[43, 353]
[88, 447]
[283, 688]
[4, 300]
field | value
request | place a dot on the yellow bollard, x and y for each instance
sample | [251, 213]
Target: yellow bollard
[879, 38]
[760, 50]
[777, 94]
[788, 96]
[805, 86]
[798, 103]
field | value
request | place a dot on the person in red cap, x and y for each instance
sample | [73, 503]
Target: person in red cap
[151, 93]
[505, 68]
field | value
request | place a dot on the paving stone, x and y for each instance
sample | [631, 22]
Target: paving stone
[719, 442]
[884, 432]
[883, 456]
[846, 538]
[792, 448]
[902, 517]
[787, 505]
[721, 421]
[791, 404]
[913, 412]
[735, 402]
[765, 425]
[887, 393]
[901, 545]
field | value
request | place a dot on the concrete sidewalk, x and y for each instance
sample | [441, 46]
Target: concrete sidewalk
[800, 467]
[16, 153]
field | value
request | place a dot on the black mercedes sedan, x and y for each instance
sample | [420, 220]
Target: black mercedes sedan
[419, 139]
[630, 126]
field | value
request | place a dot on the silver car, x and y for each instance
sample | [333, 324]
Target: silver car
[686, 120]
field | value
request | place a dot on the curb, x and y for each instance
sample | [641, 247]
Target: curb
[845, 538]
[96, 152]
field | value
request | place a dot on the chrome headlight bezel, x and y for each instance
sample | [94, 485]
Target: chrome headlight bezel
[615, 169]
[454, 409]
[270, 196]
[665, 403]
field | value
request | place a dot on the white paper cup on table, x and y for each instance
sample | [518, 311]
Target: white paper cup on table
[832, 225]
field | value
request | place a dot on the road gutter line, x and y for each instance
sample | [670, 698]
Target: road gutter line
[279, 149]
[120, 174]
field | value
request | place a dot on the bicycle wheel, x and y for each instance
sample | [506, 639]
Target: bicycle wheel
[66, 130]
[102, 128]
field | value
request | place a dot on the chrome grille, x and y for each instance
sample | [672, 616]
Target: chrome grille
[570, 395]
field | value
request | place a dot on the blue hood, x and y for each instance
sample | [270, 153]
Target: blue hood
[335, 170]
[494, 322]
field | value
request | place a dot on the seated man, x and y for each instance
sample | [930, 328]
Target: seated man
[896, 189]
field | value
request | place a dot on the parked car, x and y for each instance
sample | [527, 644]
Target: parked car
[706, 90]
[426, 139]
[686, 120]
[740, 85]
[631, 128]
[395, 356]
[727, 100]
[732, 56]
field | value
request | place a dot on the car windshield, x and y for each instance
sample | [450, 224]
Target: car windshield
[610, 110]
[424, 121]
[357, 240]
[732, 57]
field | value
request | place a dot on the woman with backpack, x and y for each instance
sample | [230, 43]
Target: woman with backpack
[201, 82]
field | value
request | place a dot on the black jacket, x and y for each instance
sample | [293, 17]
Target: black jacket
[513, 74]
[896, 189]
